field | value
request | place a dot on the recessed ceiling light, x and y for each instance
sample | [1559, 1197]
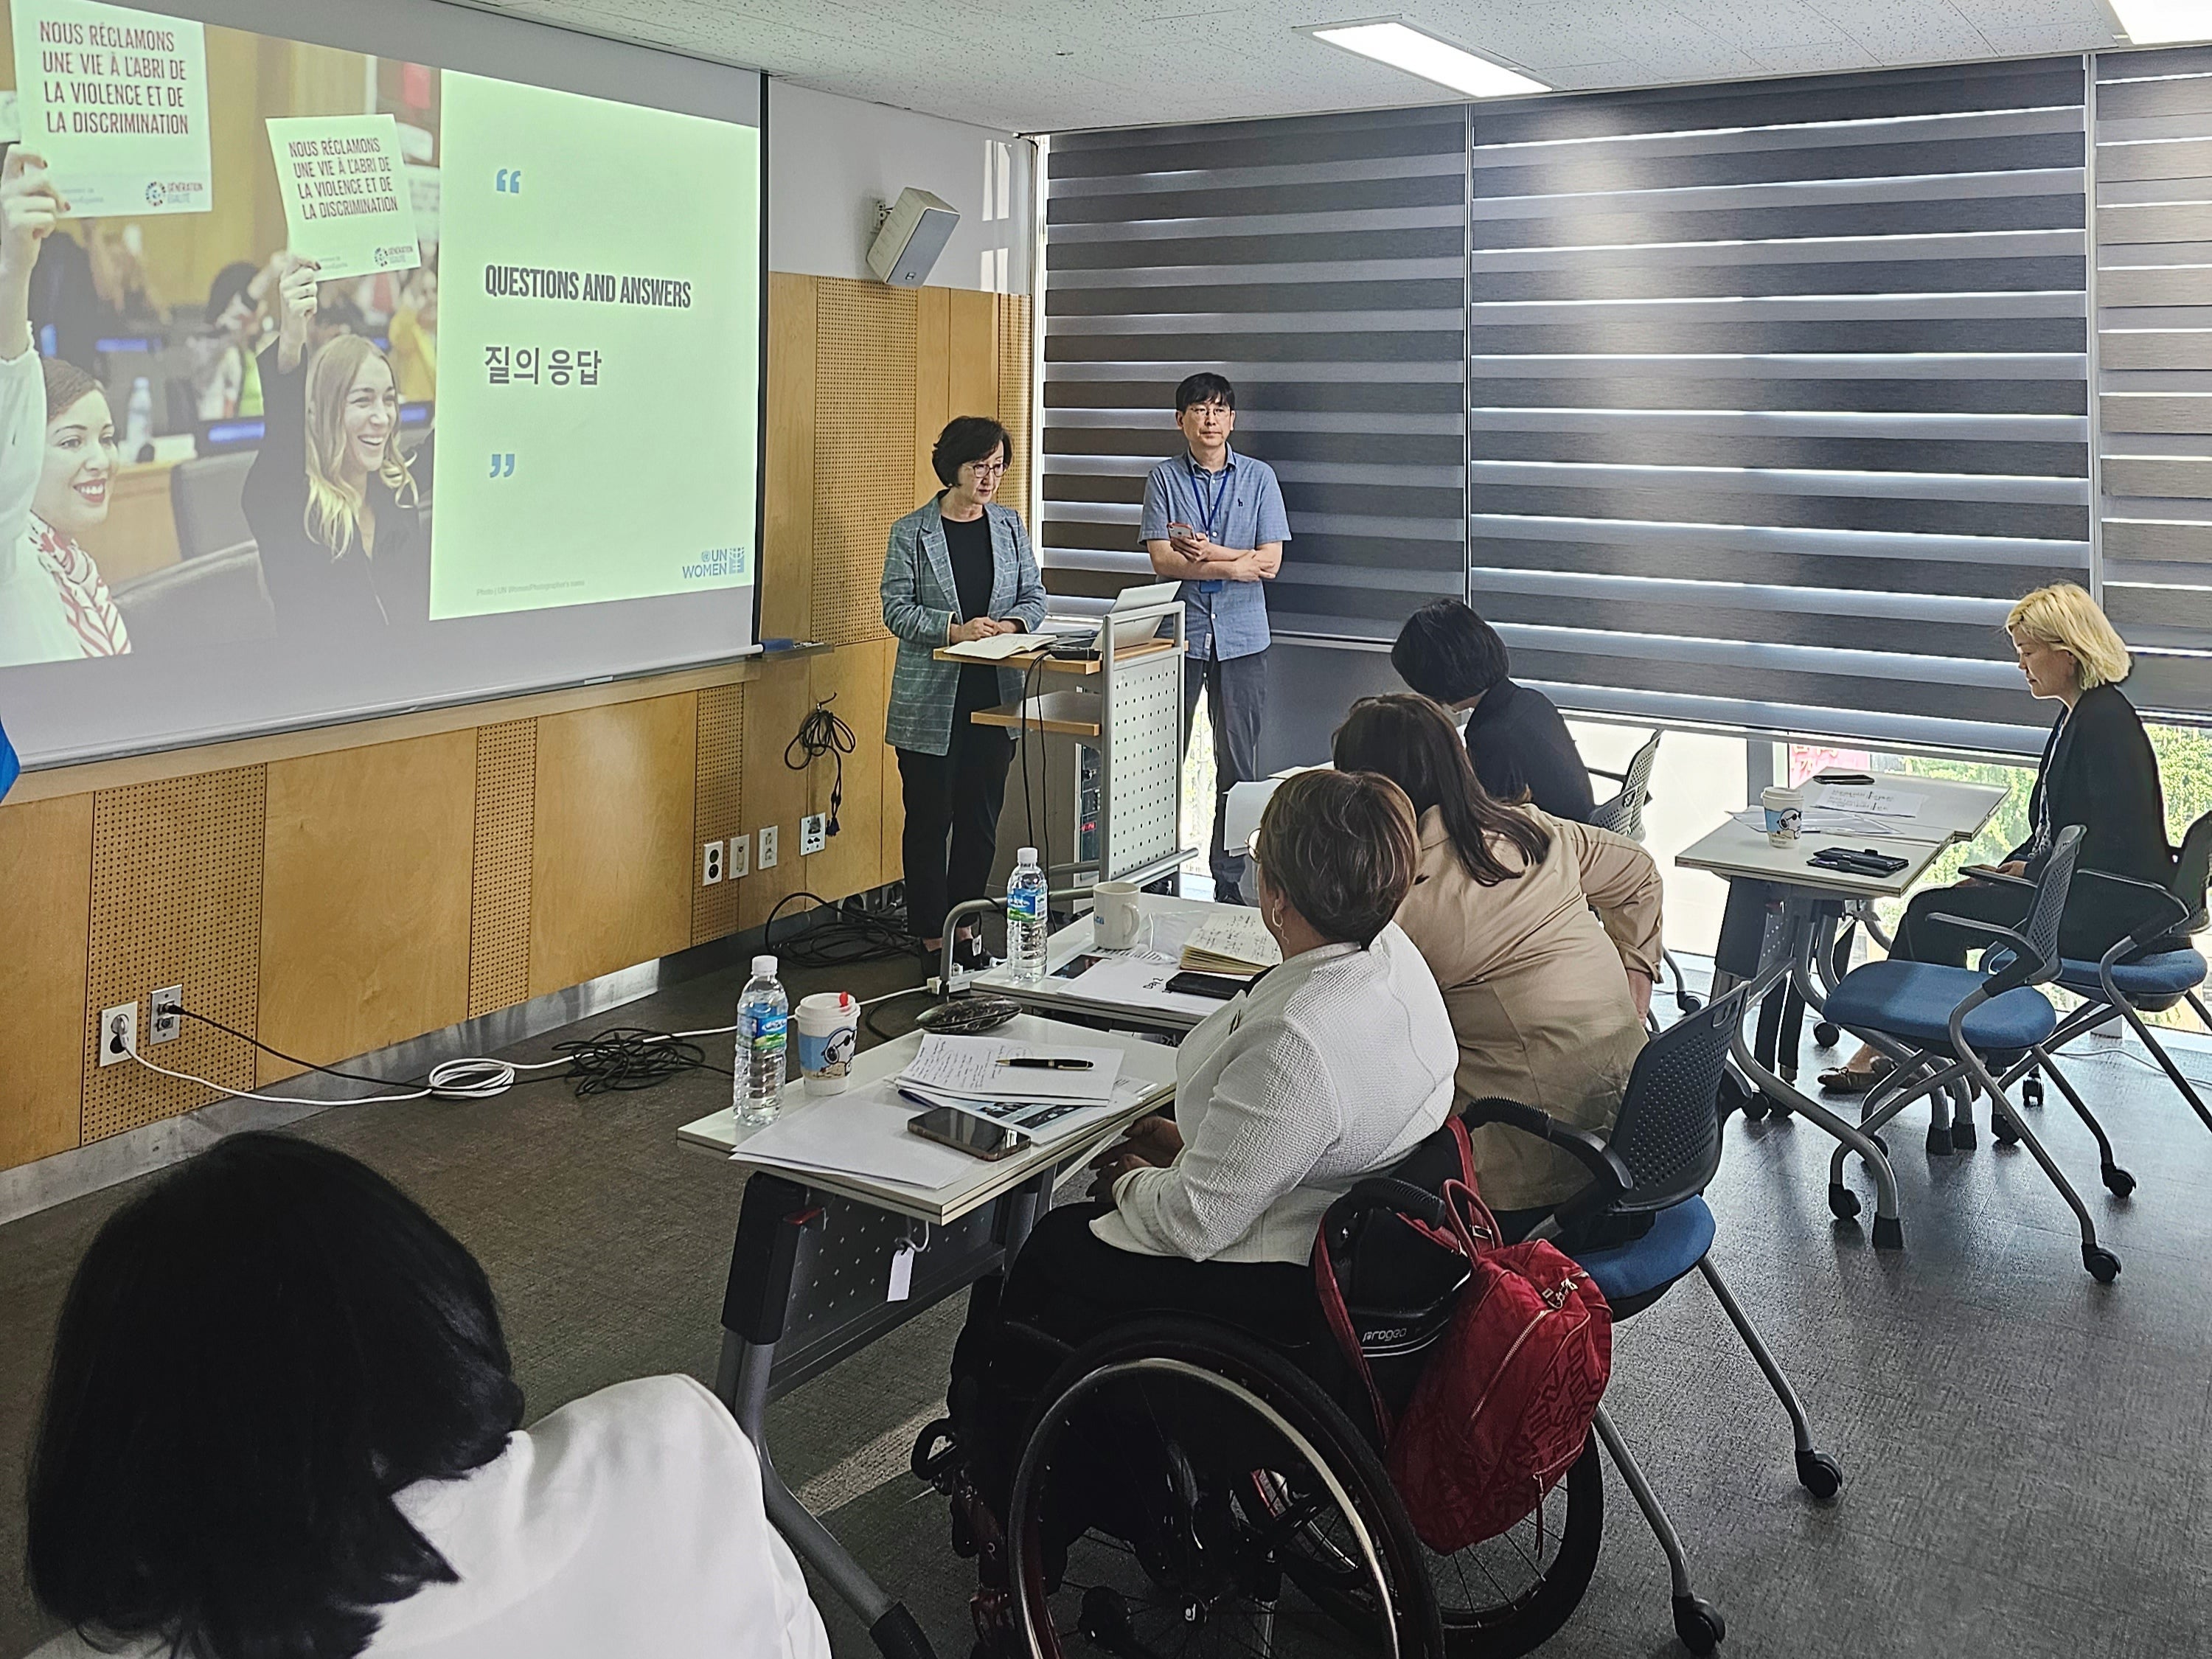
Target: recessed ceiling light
[1389, 40]
[2155, 22]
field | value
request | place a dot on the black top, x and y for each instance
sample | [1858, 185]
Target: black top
[331, 598]
[2099, 771]
[970, 546]
[1520, 745]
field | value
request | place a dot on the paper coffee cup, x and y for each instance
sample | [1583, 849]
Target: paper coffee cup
[1115, 913]
[828, 1027]
[1785, 814]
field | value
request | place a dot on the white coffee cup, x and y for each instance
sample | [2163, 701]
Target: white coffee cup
[829, 1024]
[1116, 912]
[1785, 814]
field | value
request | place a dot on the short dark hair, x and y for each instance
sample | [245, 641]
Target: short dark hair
[967, 438]
[1448, 653]
[66, 386]
[230, 282]
[1204, 388]
[1343, 847]
[253, 1358]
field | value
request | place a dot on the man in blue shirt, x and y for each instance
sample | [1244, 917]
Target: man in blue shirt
[1214, 520]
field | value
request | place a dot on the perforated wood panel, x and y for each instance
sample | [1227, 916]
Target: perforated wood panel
[1014, 404]
[176, 900]
[718, 805]
[864, 445]
[1144, 782]
[499, 898]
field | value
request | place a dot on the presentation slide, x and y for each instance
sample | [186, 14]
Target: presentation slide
[332, 383]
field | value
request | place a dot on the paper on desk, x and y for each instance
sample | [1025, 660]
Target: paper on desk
[860, 1133]
[1232, 940]
[1820, 821]
[1866, 799]
[1068, 1117]
[1000, 646]
[1137, 979]
[969, 1067]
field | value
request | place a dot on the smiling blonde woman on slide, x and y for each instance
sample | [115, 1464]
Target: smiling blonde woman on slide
[329, 499]
[2097, 770]
[58, 458]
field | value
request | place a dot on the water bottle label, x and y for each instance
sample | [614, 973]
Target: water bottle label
[763, 1032]
[1026, 907]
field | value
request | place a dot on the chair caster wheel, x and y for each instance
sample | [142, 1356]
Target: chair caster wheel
[1755, 1107]
[2104, 1266]
[1698, 1623]
[1888, 1233]
[1939, 1140]
[2118, 1181]
[2004, 1133]
[2031, 1091]
[1780, 1113]
[1843, 1202]
[1827, 1036]
[1963, 1135]
[1820, 1474]
[1688, 1004]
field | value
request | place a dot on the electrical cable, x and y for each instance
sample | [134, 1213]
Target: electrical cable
[837, 935]
[822, 733]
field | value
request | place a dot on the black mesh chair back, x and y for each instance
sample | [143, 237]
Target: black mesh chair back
[2048, 908]
[2192, 869]
[1624, 813]
[1669, 1133]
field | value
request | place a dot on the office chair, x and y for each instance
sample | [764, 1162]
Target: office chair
[1623, 814]
[1944, 1027]
[217, 599]
[205, 499]
[1643, 1225]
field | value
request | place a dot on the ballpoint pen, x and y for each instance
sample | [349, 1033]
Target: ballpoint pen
[1046, 1063]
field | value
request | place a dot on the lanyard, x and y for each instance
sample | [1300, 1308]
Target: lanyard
[1209, 502]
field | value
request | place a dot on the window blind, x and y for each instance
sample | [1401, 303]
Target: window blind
[1778, 395]
[1320, 264]
[2152, 166]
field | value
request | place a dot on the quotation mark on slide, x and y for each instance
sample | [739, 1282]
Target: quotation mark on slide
[503, 467]
[507, 182]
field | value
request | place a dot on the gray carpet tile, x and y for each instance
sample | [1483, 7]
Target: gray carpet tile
[2028, 1455]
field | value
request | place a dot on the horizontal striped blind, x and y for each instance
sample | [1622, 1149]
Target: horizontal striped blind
[2153, 285]
[1778, 395]
[1319, 263]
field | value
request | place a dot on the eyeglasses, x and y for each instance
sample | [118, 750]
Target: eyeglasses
[988, 469]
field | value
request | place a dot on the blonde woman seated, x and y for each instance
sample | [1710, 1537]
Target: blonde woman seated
[1543, 934]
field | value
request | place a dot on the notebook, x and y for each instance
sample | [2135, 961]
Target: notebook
[1235, 941]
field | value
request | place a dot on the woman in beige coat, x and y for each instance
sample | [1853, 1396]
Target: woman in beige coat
[1542, 933]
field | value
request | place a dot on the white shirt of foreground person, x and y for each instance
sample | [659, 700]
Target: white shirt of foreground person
[629, 1522]
[1335, 1065]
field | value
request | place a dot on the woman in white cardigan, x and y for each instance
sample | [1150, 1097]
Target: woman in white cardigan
[1330, 1067]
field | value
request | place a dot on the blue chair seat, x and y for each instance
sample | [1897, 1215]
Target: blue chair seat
[1678, 1241]
[2163, 977]
[1914, 1000]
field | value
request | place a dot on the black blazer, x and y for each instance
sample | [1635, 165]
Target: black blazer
[1519, 743]
[2099, 771]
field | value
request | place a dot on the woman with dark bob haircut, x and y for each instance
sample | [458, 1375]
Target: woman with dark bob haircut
[281, 1423]
[1330, 1067]
[959, 568]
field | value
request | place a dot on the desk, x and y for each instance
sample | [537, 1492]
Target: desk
[1811, 902]
[1166, 922]
[809, 1268]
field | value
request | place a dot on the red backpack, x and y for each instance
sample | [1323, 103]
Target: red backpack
[1498, 1379]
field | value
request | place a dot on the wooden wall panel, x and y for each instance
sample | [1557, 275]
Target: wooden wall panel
[1016, 390]
[499, 865]
[933, 403]
[972, 352]
[787, 504]
[864, 447]
[176, 900]
[774, 793]
[854, 681]
[718, 805]
[893, 866]
[46, 851]
[611, 870]
[367, 870]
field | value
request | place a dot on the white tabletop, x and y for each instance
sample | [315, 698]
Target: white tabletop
[1164, 923]
[1956, 811]
[720, 1132]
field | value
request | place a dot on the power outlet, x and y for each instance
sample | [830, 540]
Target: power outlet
[741, 857]
[813, 834]
[768, 846]
[165, 1015]
[710, 864]
[119, 1034]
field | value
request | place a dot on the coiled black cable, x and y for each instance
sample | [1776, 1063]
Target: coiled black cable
[822, 733]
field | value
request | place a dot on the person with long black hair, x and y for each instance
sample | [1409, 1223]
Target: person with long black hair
[281, 1423]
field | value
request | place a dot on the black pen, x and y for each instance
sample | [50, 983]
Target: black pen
[1046, 1063]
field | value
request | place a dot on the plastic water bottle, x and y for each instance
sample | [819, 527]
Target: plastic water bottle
[1026, 921]
[763, 1022]
[138, 420]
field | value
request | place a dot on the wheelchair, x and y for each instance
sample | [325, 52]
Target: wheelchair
[1185, 1487]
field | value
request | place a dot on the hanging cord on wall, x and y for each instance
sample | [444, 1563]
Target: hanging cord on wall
[822, 733]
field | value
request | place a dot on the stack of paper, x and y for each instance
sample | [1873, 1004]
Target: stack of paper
[1234, 941]
[1000, 646]
[993, 1068]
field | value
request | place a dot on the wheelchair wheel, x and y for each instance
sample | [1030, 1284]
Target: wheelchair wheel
[1502, 1597]
[1168, 1476]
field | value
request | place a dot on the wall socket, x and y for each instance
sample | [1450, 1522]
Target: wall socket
[710, 864]
[813, 834]
[166, 1019]
[768, 846]
[741, 857]
[119, 1034]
